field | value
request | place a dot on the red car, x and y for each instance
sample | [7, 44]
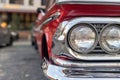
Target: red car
[80, 40]
[35, 28]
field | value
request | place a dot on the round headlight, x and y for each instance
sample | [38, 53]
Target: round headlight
[82, 38]
[110, 39]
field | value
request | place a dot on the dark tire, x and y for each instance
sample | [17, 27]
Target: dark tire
[10, 42]
[35, 46]
[32, 43]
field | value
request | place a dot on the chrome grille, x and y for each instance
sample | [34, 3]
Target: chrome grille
[99, 27]
[94, 72]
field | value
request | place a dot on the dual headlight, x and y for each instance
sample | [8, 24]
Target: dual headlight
[83, 38]
[110, 39]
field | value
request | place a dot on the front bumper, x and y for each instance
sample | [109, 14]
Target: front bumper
[55, 72]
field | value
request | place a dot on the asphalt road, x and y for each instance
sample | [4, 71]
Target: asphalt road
[20, 62]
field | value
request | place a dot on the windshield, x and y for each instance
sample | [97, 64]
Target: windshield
[106, 1]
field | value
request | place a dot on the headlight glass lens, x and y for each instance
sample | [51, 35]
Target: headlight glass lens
[82, 38]
[110, 38]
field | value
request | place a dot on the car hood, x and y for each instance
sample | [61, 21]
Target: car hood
[90, 1]
[90, 10]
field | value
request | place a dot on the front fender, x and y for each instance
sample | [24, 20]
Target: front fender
[48, 36]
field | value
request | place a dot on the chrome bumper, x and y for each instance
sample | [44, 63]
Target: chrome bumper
[54, 72]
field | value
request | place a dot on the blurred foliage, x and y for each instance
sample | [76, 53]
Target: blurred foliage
[18, 23]
[15, 23]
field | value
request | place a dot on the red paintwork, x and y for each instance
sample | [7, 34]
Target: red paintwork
[68, 12]
[36, 24]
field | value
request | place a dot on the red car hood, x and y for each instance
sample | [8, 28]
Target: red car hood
[91, 10]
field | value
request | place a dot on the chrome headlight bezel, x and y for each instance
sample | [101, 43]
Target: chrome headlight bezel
[95, 39]
[93, 56]
[106, 48]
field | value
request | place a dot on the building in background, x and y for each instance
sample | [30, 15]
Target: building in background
[19, 14]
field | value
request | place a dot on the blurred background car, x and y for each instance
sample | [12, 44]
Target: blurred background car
[33, 36]
[15, 35]
[5, 35]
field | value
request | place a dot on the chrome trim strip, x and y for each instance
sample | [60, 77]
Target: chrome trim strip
[89, 3]
[67, 63]
[41, 25]
[91, 0]
[52, 17]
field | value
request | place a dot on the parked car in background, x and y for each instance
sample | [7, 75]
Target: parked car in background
[80, 40]
[33, 36]
[15, 35]
[5, 35]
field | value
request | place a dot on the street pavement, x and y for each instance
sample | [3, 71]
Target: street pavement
[20, 62]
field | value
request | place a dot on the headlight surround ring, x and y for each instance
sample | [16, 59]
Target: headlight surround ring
[91, 29]
[107, 34]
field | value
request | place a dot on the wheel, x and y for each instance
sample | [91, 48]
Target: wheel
[35, 46]
[10, 42]
[32, 43]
